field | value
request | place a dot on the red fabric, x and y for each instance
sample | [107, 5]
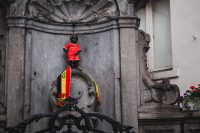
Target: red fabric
[72, 49]
[68, 81]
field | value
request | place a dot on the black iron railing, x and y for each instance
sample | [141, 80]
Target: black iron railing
[69, 122]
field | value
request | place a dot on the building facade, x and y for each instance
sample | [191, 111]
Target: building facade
[165, 21]
[124, 60]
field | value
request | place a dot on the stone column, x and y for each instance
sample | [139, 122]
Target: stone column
[15, 63]
[129, 70]
[129, 62]
[15, 78]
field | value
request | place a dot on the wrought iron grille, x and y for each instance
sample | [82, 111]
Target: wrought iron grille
[80, 119]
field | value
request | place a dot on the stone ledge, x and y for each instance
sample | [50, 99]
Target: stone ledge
[170, 125]
[57, 28]
[175, 73]
[159, 111]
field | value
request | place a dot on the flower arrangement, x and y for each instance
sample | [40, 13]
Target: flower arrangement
[191, 98]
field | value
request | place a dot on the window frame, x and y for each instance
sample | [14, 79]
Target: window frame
[157, 73]
[149, 30]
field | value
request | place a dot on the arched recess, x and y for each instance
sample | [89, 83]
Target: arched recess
[108, 41]
[49, 25]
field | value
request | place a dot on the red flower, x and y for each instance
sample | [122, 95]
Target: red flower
[192, 87]
[198, 84]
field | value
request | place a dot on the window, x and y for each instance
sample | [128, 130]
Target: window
[155, 20]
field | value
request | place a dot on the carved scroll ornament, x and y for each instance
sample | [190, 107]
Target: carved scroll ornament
[163, 92]
[72, 11]
[82, 89]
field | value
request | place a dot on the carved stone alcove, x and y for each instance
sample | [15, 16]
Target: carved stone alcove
[107, 35]
[154, 95]
[72, 11]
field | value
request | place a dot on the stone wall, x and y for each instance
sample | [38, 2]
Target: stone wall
[107, 31]
[113, 53]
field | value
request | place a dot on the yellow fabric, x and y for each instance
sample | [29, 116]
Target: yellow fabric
[96, 87]
[63, 84]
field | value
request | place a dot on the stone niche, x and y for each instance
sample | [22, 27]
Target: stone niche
[108, 37]
[48, 61]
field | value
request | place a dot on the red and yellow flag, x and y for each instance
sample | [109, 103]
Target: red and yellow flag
[64, 84]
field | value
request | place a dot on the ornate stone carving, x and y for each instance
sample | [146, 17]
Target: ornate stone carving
[17, 7]
[72, 11]
[144, 40]
[163, 92]
[82, 89]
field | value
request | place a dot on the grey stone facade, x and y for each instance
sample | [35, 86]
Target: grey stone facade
[36, 36]
[113, 53]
